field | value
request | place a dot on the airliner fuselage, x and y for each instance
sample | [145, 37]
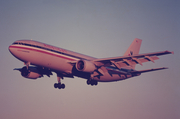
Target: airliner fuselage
[42, 59]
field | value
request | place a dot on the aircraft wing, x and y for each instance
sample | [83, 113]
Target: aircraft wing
[130, 60]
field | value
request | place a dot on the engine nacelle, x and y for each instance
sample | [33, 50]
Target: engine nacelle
[33, 75]
[85, 66]
[31, 72]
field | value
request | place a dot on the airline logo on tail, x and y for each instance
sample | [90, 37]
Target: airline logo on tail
[131, 53]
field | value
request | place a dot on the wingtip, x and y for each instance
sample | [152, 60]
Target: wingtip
[165, 68]
[170, 52]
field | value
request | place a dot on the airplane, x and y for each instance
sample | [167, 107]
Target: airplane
[42, 59]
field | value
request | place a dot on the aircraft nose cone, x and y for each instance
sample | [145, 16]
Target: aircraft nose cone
[10, 49]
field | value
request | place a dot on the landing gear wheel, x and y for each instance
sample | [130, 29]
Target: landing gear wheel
[63, 86]
[56, 85]
[88, 82]
[59, 85]
[95, 83]
[92, 82]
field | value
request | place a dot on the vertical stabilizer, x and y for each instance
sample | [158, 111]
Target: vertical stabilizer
[133, 49]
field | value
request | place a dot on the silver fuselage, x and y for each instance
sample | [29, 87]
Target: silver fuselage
[56, 59]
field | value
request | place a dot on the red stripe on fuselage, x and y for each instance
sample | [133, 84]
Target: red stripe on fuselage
[42, 52]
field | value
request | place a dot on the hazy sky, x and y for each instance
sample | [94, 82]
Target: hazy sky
[99, 28]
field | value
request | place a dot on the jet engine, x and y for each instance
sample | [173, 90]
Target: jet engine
[31, 72]
[85, 66]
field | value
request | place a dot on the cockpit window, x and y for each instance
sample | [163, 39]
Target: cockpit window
[20, 43]
[15, 43]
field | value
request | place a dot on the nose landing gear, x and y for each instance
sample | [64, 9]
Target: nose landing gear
[59, 85]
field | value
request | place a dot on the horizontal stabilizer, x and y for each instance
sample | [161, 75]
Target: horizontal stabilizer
[18, 69]
[149, 70]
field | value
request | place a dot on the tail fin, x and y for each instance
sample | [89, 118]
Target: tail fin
[134, 47]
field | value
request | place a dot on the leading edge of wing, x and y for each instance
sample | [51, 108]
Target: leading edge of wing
[132, 56]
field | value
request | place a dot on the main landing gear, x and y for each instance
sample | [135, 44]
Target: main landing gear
[59, 85]
[92, 82]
